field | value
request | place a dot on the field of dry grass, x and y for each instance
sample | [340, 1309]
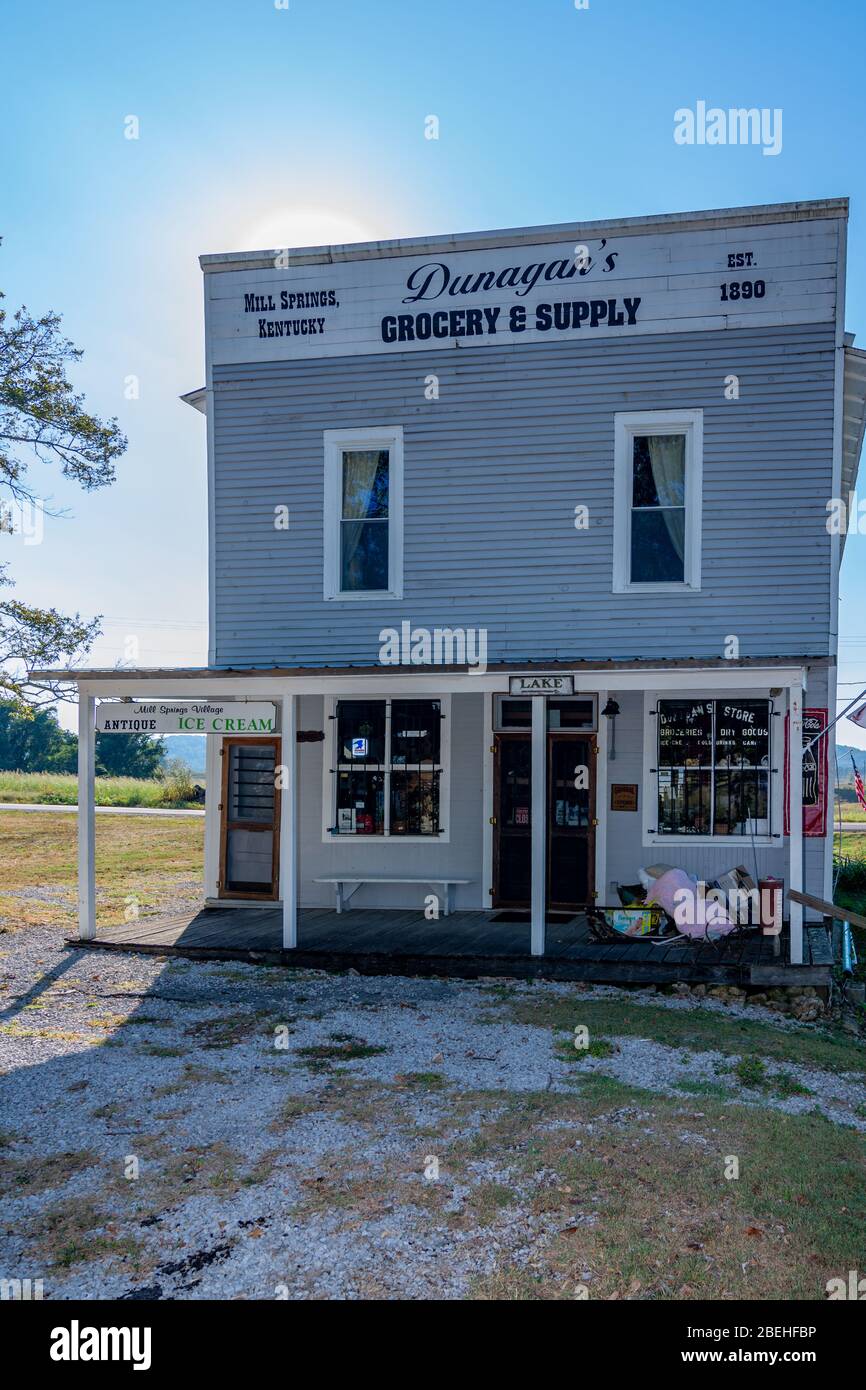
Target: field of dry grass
[143, 863]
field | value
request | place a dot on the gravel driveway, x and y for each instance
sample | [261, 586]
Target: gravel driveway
[176, 1129]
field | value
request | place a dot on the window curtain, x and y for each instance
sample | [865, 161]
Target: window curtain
[360, 499]
[667, 460]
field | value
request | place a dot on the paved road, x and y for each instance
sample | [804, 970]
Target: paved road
[154, 811]
[100, 810]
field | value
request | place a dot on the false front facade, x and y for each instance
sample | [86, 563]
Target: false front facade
[524, 538]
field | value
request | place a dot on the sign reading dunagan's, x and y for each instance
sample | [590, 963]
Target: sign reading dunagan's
[695, 272]
[153, 717]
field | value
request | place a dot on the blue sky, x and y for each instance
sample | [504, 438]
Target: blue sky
[264, 127]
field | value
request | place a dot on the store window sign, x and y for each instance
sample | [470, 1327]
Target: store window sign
[540, 684]
[360, 747]
[203, 717]
[815, 783]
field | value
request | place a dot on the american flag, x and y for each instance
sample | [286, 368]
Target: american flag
[858, 784]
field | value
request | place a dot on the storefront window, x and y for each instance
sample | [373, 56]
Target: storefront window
[714, 767]
[389, 767]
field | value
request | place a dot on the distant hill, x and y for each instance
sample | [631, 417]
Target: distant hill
[846, 772]
[190, 748]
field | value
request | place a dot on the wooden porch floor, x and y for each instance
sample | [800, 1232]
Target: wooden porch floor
[466, 945]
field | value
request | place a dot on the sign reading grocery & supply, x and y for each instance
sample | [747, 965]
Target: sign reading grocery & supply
[661, 281]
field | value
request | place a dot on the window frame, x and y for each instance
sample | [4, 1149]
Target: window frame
[329, 765]
[388, 437]
[627, 424]
[650, 836]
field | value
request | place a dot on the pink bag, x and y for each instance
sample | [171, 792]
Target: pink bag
[695, 915]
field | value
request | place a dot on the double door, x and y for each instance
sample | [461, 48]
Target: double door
[570, 810]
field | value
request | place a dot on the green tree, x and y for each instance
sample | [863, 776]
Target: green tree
[43, 420]
[128, 755]
[33, 741]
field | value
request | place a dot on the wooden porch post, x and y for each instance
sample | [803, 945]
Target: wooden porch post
[289, 821]
[86, 817]
[795, 838]
[539, 824]
[600, 810]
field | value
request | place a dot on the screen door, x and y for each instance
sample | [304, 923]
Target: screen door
[250, 811]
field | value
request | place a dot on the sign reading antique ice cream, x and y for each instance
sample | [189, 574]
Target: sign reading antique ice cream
[185, 717]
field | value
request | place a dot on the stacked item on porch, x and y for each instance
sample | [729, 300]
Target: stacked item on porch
[667, 903]
[676, 892]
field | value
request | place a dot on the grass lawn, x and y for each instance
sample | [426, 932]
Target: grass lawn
[851, 888]
[144, 862]
[664, 1222]
[692, 1029]
[61, 789]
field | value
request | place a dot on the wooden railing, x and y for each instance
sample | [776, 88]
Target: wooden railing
[841, 914]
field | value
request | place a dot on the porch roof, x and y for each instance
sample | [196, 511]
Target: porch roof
[135, 675]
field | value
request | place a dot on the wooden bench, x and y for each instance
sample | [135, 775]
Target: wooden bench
[340, 882]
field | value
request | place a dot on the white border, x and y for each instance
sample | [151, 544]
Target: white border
[382, 437]
[626, 425]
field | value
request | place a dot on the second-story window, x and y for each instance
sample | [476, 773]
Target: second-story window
[657, 514]
[363, 513]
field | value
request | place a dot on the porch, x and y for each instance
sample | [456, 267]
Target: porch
[467, 945]
[538, 801]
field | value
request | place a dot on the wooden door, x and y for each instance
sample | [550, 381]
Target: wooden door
[512, 819]
[249, 819]
[571, 821]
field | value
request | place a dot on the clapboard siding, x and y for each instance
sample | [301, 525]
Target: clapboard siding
[493, 471]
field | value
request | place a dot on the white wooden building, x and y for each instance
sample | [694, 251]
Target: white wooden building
[525, 539]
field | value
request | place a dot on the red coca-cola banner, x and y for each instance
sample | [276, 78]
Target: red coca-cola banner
[814, 774]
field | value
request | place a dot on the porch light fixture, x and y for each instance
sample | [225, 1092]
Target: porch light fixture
[610, 711]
